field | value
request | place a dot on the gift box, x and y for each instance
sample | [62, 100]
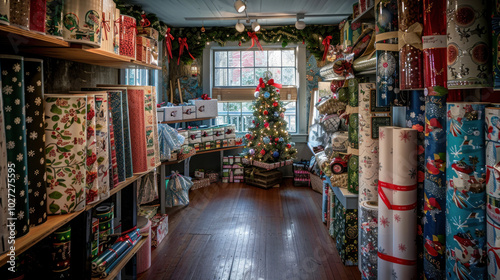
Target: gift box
[173, 113]
[194, 136]
[199, 173]
[224, 143]
[147, 211]
[238, 171]
[184, 133]
[159, 229]
[218, 132]
[225, 160]
[230, 160]
[225, 179]
[207, 134]
[231, 142]
[217, 144]
[205, 108]
[212, 176]
[237, 159]
[229, 131]
[188, 112]
[148, 51]
[154, 53]
[148, 32]
[141, 48]
[160, 114]
[200, 183]
[127, 36]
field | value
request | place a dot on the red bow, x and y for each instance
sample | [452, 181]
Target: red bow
[159, 105]
[255, 40]
[272, 83]
[105, 25]
[145, 21]
[205, 97]
[183, 44]
[261, 84]
[326, 44]
[168, 42]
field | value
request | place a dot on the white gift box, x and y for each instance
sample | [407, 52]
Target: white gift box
[185, 134]
[207, 134]
[188, 112]
[205, 108]
[194, 136]
[229, 131]
[218, 133]
[173, 113]
[231, 142]
[160, 114]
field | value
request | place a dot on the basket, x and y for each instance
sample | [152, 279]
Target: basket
[316, 183]
[263, 178]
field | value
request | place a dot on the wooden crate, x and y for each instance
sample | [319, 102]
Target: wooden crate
[263, 178]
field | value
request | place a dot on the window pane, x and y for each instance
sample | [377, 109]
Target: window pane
[234, 106]
[247, 77]
[234, 76]
[247, 59]
[220, 77]
[288, 77]
[261, 58]
[276, 74]
[274, 58]
[234, 59]
[259, 73]
[288, 58]
[220, 107]
[246, 107]
[221, 59]
[292, 124]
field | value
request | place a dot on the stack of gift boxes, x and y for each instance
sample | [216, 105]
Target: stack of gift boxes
[207, 138]
[194, 109]
[147, 45]
[232, 170]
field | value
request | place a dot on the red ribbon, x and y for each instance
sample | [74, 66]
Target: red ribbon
[183, 44]
[255, 40]
[159, 105]
[205, 97]
[118, 21]
[384, 198]
[168, 42]
[272, 83]
[393, 259]
[105, 25]
[326, 43]
[145, 21]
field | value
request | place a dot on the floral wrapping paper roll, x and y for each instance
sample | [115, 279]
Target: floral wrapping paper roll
[368, 231]
[91, 185]
[347, 234]
[353, 174]
[82, 21]
[65, 150]
[466, 254]
[114, 180]
[4, 213]
[15, 132]
[20, 13]
[4, 11]
[434, 43]
[410, 44]
[35, 132]
[151, 125]
[127, 36]
[102, 135]
[493, 246]
[38, 12]
[115, 101]
[137, 99]
[435, 184]
[61, 253]
[129, 170]
[54, 18]
[468, 44]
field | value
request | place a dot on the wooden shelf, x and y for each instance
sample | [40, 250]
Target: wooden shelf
[347, 199]
[140, 64]
[218, 150]
[116, 189]
[124, 260]
[367, 16]
[191, 120]
[30, 38]
[172, 162]
[39, 232]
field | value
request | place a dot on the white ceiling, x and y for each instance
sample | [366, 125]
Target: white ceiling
[174, 12]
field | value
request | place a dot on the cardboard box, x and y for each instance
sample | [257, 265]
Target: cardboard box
[159, 229]
[173, 113]
[185, 134]
[188, 112]
[200, 183]
[154, 53]
[218, 132]
[160, 114]
[148, 32]
[207, 134]
[229, 131]
[141, 46]
[194, 136]
[205, 108]
[199, 173]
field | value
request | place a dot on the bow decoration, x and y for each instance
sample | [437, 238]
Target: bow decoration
[159, 105]
[272, 83]
[105, 25]
[205, 97]
[412, 36]
[168, 42]
[326, 44]
[145, 21]
[255, 40]
[117, 24]
[261, 84]
[183, 44]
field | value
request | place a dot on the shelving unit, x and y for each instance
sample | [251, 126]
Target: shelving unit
[366, 16]
[191, 120]
[347, 199]
[218, 150]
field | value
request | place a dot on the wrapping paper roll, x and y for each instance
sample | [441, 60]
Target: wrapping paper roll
[116, 31]
[4, 11]
[144, 254]
[129, 171]
[434, 43]
[65, 148]
[102, 133]
[397, 251]
[15, 119]
[493, 208]
[54, 18]
[155, 127]
[106, 24]
[20, 13]
[368, 214]
[495, 24]
[353, 130]
[468, 44]
[324, 204]
[466, 192]
[492, 169]
[38, 11]
[95, 238]
[410, 16]
[493, 247]
[82, 21]
[4, 213]
[127, 36]
[151, 128]
[61, 253]
[493, 124]
[435, 184]
[115, 101]
[106, 259]
[35, 132]
[92, 185]
[112, 153]
[137, 104]
[353, 176]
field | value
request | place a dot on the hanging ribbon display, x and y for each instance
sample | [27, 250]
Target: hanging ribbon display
[326, 44]
[255, 40]
[168, 42]
[105, 25]
[183, 44]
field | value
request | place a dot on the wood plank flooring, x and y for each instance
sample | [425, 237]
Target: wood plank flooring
[236, 231]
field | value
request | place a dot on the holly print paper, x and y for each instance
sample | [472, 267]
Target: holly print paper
[112, 153]
[91, 185]
[65, 149]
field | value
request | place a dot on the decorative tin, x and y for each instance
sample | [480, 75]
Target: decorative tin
[82, 21]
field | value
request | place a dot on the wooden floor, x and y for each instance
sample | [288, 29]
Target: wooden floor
[236, 231]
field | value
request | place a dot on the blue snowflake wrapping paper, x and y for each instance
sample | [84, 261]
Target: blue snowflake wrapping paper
[466, 256]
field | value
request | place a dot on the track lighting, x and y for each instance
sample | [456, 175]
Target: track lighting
[239, 27]
[300, 24]
[240, 6]
[255, 26]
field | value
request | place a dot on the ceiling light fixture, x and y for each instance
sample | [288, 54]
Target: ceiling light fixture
[255, 26]
[300, 24]
[240, 6]
[239, 27]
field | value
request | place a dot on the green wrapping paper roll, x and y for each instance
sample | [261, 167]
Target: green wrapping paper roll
[35, 132]
[4, 233]
[65, 151]
[53, 19]
[353, 130]
[353, 177]
[15, 131]
[61, 253]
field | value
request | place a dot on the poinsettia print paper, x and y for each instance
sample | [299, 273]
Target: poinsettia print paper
[65, 149]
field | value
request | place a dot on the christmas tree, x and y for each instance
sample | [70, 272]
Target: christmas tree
[268, 140]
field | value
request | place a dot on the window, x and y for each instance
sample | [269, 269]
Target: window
[141, 77]
[234, 68]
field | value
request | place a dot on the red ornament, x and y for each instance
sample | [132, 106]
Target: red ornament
[266, 112]
[266, 125]
[275, 104]
[262, 152]
[248, 136]
[253, 121]
[276, 139]
[288, 146]
[257, 125]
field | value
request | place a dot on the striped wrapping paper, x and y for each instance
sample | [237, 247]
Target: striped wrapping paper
[112, 152]
[466, 191]
[127, 146]
[435, 184]
[115, 101]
